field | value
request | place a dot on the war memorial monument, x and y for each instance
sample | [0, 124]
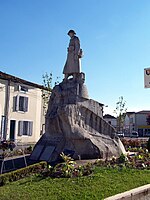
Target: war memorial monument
[74, 123]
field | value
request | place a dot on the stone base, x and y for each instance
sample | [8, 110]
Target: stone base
[75, 124]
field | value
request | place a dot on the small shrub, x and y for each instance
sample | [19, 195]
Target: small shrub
[64, 169]
[28, 150]
[21, 173]
[67, 169]
[87, 169]
[122, 158]
[5, 145]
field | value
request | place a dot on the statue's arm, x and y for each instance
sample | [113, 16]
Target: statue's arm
[77, 46]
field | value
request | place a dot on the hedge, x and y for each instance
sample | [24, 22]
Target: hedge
[21, 173]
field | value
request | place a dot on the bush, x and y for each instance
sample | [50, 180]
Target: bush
[21, 173]
[122, 158]
[67, 169]
[5, 145]
[29, 148]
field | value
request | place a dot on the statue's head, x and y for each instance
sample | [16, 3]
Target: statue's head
[71, 33]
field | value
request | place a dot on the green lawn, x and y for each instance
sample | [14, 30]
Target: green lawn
[103, 183]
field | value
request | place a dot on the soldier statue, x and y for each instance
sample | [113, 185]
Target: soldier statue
[72, 66]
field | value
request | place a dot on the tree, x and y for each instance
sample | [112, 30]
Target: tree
[48, 85]
[121, 113]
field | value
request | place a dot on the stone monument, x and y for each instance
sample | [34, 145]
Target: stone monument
[74, 123]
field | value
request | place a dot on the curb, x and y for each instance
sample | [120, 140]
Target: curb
[140, 193]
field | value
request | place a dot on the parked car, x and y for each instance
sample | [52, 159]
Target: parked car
[120, 134]
[134, 134]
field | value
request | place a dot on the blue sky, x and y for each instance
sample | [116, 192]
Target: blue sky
[114, 35]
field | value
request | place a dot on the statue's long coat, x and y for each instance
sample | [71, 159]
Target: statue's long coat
[72, 63]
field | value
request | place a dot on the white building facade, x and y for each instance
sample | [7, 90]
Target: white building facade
[111, 120]
[21, 109]
[137, 121]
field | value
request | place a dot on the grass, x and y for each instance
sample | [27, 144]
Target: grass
[103, 183]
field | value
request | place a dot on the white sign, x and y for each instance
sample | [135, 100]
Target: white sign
[147, 77]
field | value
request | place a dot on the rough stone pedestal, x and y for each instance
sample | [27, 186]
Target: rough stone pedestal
[74, 125]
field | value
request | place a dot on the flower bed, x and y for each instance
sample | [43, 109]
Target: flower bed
[7, 145]
[9, 149]
[135, 145]
[67, 169]
[139, 160]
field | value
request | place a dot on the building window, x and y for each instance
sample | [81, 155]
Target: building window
[20, 103]
[23, 88]
[131, 120]
[25, 128]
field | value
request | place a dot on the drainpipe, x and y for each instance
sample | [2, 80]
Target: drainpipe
[6, 108]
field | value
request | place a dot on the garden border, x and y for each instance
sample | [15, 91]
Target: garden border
[140, 193]
[22, 173]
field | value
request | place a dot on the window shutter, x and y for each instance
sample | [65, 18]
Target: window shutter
[20, 128]
[30, 128]
[25, 104]
[15, 103]
[16, 87]
[21, 103]
[23, 89]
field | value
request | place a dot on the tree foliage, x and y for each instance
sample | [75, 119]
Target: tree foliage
[120, 111]
[48, 85]
[47, 81]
